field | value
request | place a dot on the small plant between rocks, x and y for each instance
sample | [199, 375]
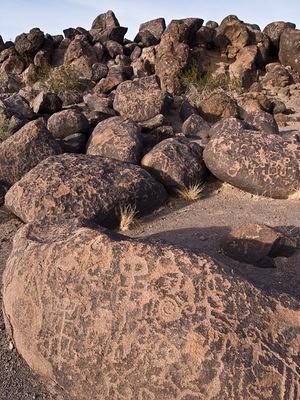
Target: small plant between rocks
[127, 217]
[4, 128]
[191, 192]
[58, 79]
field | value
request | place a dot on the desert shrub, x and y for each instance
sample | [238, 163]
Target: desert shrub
[191, 192]
[127, 217]
[58, 79]
[205, 82]
[4, 128]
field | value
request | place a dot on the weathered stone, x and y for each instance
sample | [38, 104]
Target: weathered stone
[279, 107]
[17, 105]
[74, 143]
[24, 150]
[116, 138]
[99, 102]
[186, 110]
[81, 55]
[218, 105]
[177, 163]
[28, 44]
[205, 36]
[262, 121]
[274, 30]
[146, 39]
[259, 245]
[257, 162]
[155, 26]
[276, 76]
[83, 305]
[140, 99]
[244, 68]
[155, 136]
[76, 185]
[105, 21]
[289, 50]
[152, 123]
[226, 125]
[194, 125]
[46, 103]
[67, 122]
[232, 34]
[99, 71]
[113, 48]
[116, 34]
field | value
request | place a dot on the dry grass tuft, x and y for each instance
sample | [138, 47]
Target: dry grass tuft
[191, 192]
[127, 216]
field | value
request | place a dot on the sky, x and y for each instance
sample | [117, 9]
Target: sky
[52, 16]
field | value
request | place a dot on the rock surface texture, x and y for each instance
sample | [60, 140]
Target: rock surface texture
[84, 186]
[259, 163]
[115, 318]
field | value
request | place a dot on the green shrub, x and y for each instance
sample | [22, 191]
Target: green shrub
[58, 79]
[4, 128]
[208, 82]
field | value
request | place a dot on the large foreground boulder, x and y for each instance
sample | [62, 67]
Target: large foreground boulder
[140, 100]
[257, 162]
[85, 186]
[24, 150]
[104, 317]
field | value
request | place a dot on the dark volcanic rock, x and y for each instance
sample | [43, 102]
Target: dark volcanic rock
[177, 163]
[274, 30]
[87, 186]
[257, 162]
[289, 49]
[218, 105]
[84, 305]
[194, 125]
[226, 125]
[116, 138]
[156, 27]
[28, 44]
[24, 150]
[74, 143]
[140, 100]
[67, 122]
[259, 245]
[262, 121]
[105, 21]
[46, 103]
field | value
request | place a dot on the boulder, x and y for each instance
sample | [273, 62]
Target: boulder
[194, 125]
[74, 143]
[105, 21]
[146, 39]
[156, 27]
[173, 52]
[153, 123]
[156, 135]
[218, 105]
[67, 122]
[244, 69]
[227, 125]
[18, 106]
[232, 35]
[140, 99]
[259, 245]
[28, 44]
[177, 163]
[274, 31]
[101, 316]
[81, 55]
[276, 76]
[116, 138]
[289, 50]
[87, 186]
[262, 121]
[46, 103]
[258, 162]
[24, 150]
[116, 34]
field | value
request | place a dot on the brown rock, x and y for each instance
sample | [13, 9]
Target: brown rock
[140, 99]
[116, 138]
[274, 30]
[46, 103]
[262, 121]
[259, 245]
[257, 162]
[276, 76]
[24, 150]
[218, 105]
[244, 69]
[28, 44]
[67, 122]
[105, 21]
[85, 305]
[77, 185]
[194, 125]
[177, 163]
[156, 27]
[289, 51]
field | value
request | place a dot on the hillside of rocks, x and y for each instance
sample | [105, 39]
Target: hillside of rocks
[97, 131]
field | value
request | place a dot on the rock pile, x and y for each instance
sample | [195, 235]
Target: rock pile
[90, 123]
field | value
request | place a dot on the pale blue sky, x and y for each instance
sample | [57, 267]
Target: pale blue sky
[52, 16]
